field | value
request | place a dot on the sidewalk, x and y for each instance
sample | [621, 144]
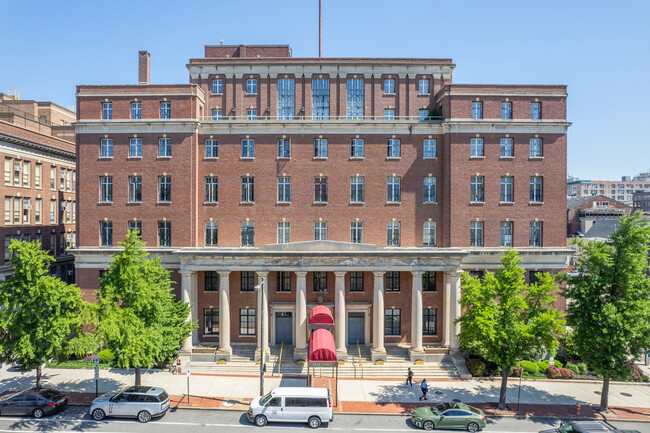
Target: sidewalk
[381, 396]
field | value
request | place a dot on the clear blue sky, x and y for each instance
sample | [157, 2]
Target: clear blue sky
[600, 49]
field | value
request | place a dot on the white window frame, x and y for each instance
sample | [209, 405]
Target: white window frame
[429, 190]
[320, 230]
[536, 189]
[217, 114]
[429, 234]
[248, 148]
[393, 236]
[284, 148]
[506, 234]
[164, 147]
[389, 86]
[357, 148]
[477, 149]
[476, 234]
[506, 110]
[429, 149]
[357, 189]
[211, 189]
[136, 110]
[284, 189]
[394, 148]
[284, 232]
[535, 148]
[135, 148]
[506, 148]
[165, 110]
[211, 234]
[535, 234]
[424, 86]
[393, 189]
[251, 86]
[356, 232]
[217, 86]
[107, 110]
[507, 189]
[106, 148]
[477, 110]
[320, 148]
[212, 148]
[477, 189]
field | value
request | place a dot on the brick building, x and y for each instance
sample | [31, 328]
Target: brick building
[622, 190]
[39, 189]
[365, 185]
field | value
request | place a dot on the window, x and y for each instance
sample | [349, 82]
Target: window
[217, 87]
[53, 211]
[247, 234]
[211, 320]
[507, 187]
[429, 281]
[356, 148]
[211, 190]
[165, 147]
[505, 234]
[506, 110]
[423, 114]
[429, 234]
[26, 165]
[392, 234]
[389, 86]
[284, 189]
[38, 175]
[211, 233]
[26, 208]
[389, 114]
[535, 147]
[320, 148]
[477, 110]
[284, 281]
[507, 148]
[429, 149]
[356, 189]
[251, 86]
[136, 110]
[246, 321]
[164, 233]
[393, 190]
[211, 280]
[320, 231]
[53, 176]
[135, 148]
[106, 189]
[354, 99]
[476, 189]
[476, 234]
[536, 189]
[251, 114]
[423, 87]
[106, 233]
[248, 148]
[106, 148]
[135, 189]
[212, 148]
[535, 110]
[535, 234]
[107, 110]
[429, 318]
[356, 232]
[320, 281]
[18, 206]
[248, 190]
[165, 110]
[8, 170]
[284, 232]
[320, 190]
[286, 98]
[217, 114]
[62, 178]
[392, 321]
[135, 226]
[476, 147]
[430, 190]
[165, 189]
[247, 281]
[8, 202]
[320, 89]
[284, 148]
[393, 148]
[356, 281]
[392, 281]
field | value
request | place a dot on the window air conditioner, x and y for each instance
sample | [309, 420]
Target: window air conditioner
[27, 206]
[18, 168]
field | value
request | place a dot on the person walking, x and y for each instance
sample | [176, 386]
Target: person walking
[409, 377]
[425, 388]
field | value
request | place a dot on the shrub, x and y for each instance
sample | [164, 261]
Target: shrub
[558, 364]
[516, 371]
[582, 368]
[636, 373]
[530, 367]
[106, 356]
[573, 367]
[559, 373]
[542, 365]
[476, 366]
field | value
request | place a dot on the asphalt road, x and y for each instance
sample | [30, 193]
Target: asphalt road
[76, 419]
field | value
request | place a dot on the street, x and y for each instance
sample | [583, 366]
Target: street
[76, 419]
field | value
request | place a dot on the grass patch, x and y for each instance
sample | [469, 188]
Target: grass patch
[77, 363]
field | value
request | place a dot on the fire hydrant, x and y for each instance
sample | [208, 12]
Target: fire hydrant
[578, 409]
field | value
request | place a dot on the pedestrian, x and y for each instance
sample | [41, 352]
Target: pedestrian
[425, 388]
[409, 377]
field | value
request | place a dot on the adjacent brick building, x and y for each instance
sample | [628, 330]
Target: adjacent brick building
[366, 185]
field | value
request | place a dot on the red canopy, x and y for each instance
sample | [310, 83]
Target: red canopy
[321, 346]
[321, 315]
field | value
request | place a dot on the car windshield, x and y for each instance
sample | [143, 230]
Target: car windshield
[116, 396]
[566, 428]
[265, 399]
[163, 396]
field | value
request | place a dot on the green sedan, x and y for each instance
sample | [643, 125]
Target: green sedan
[449, 416]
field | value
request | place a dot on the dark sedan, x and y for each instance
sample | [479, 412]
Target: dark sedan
[33, 402]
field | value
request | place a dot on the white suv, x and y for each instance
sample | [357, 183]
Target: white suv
[141, 402]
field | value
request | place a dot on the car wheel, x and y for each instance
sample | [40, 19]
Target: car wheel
[98, 415]
[260, 420]
[428, 425]
[472, 427]
[38, 413]
[144, 416]
[314, 422]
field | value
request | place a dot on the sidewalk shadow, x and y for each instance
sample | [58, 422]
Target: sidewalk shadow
[69, 419]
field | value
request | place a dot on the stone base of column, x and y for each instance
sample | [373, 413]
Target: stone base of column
[378, 354]
[342, 355]
[417, 355]
[300, 354]
[225, 353]
[258, 355]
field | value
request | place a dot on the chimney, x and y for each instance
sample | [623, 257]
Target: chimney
[144, 67]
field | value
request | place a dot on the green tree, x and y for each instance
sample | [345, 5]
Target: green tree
[42, 317]
[609, 306]
[138, 315]
[505, 319]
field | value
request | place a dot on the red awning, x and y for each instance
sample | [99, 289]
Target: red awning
[321, 315]
[321, 346]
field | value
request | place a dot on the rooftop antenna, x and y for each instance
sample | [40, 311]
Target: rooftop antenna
[14, 93]
[320, 28]
[220, 41]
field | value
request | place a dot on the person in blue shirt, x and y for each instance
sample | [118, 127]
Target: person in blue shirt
[425, 388]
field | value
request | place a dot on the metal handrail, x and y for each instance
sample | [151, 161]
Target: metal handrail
[360, 364]
[280, 358]
[296, 118]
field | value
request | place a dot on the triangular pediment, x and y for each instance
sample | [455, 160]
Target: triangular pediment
[317, 246]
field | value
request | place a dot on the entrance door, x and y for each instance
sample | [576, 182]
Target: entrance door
[284, 327]
[356, 328]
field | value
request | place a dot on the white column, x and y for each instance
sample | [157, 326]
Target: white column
[224, 312]
[447, 320]
[194, 296]
[378, 350]
[263, 312]
[300, 352]
[186, 296]
[455, 308]
[339, 312]
[416, 312]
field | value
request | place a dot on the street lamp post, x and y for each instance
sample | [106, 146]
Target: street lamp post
[260, 289]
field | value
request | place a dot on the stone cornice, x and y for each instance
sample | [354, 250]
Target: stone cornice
[38, 146]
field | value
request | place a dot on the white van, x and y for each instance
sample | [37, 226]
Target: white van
[310, 405]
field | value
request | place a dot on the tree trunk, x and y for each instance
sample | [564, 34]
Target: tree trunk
[138, 376]
[604, 396]
[504, 388]
[39, 377]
